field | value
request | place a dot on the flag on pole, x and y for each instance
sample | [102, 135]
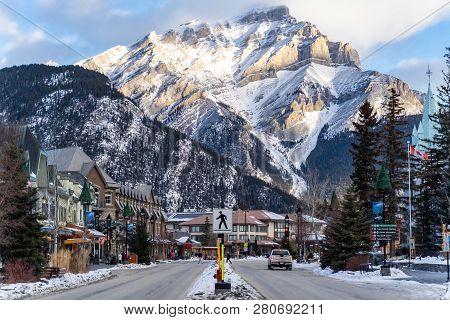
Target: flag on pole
[414, 152]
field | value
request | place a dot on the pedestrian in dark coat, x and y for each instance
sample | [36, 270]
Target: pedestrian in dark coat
[229, 258]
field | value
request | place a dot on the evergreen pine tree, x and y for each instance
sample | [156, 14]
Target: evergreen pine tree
[20, 230]
[207, 233]
[441, 143]
[347, 235]
[432, 200]
[364, 153]
[139, 243]
[394, 153]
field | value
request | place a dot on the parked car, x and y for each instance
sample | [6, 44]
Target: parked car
[280, 258]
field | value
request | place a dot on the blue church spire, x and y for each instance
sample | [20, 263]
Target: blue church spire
[427, 128]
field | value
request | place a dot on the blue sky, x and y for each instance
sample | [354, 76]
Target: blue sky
[90, 27]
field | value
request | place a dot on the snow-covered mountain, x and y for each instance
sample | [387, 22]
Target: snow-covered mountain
[71, 106]
[259, 89]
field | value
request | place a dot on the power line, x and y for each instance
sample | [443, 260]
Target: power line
[43, 29]
[406, 31]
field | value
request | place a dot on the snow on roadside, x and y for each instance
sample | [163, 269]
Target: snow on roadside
[67, 281]
[398, 281]
[424, 260]
[131, 266]
[203, 288]
[447, 294]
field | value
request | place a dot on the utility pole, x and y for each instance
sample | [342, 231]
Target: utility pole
[299, 212]
[410, 206]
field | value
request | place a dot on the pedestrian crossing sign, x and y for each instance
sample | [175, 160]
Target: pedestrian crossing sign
[222, 220]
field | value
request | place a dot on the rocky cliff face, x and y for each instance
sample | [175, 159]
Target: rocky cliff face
[260, 83]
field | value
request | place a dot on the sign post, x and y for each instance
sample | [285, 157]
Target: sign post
[222, 223]
[412, 249]
[446, 246]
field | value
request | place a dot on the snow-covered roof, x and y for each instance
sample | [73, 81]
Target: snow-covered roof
[184, 240]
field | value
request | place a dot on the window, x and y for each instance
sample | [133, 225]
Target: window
[232, 237]
[234, 228]
[261, 237]
[242, 227]
[196, 229]
[279, 229]
[108, 199]
[261, 229]
[252, 228]
[243, 237]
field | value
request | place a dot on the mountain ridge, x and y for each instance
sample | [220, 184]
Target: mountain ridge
[281, 79]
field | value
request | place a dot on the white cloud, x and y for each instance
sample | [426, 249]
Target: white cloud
[366, 24]
[8, 26]
[413, 71]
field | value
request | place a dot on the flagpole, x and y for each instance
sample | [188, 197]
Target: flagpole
[409, 199]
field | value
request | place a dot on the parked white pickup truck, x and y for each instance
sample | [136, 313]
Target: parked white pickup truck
[281, 259]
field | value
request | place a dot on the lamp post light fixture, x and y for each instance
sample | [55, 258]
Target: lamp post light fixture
[86, 200]
[299, 251]
[286, 231]
[152, 221]
[143, 214]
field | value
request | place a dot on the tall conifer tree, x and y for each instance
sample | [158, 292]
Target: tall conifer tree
[347, 235]
[364, 153]
[21, 235]
[393, 152]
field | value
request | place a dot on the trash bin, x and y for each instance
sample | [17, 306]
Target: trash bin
[133, 258]
[385, 271]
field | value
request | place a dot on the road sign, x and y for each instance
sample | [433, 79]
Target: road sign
[222, 220]
[377, 210]
[412, 247]
[383, 232]
[445, 238]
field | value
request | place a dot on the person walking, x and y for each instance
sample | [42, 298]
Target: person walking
[229, 258]
[199, 255]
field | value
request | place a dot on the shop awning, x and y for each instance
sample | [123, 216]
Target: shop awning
[96, 234]
[47, 228]
[76, 240]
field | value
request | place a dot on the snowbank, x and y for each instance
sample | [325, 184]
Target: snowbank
[131, 266]
[424, 260]
[447, 294]
[69, 280]
[398, 281]
[203, 288]
[373, 276]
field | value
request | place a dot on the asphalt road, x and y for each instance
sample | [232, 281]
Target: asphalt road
[300, 284]
[163, 282]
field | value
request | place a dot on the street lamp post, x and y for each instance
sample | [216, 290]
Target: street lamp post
[299, 212]
[286, 231]
[245, 236]
[383, 184]
[86, 200]
[126, 215]
[143, 214]
[152, 221]
[108, 230]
